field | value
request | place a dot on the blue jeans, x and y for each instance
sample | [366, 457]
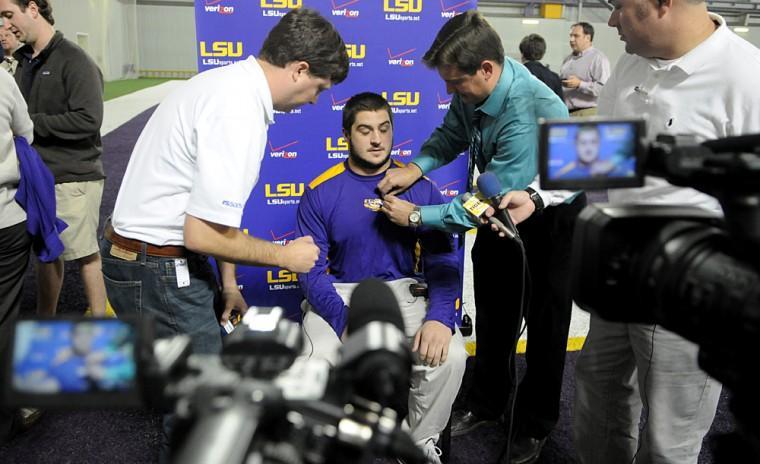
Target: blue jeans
[148, 286]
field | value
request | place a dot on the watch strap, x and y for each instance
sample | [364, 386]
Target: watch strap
[536, 199]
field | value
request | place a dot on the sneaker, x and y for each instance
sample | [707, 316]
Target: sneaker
[465, 421]
[432, 452]
[28, 417]
[525, 449]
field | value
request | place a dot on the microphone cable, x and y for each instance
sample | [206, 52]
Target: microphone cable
[524, 302]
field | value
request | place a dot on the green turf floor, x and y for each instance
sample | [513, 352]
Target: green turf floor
[115, 89]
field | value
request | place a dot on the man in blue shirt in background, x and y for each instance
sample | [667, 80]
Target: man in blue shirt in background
[494, 113]
[341, 211]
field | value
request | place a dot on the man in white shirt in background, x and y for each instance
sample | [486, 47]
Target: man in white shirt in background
[687, 73]
[583, 72]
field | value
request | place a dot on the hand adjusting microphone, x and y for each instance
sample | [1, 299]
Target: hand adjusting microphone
[490, 187]
[477, 208]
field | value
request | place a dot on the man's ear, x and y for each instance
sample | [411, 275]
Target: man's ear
[487, 67]
[34, 7]
[663, 7]
[298, 69]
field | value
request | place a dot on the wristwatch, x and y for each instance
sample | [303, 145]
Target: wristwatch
[536, 199]
[415, 217]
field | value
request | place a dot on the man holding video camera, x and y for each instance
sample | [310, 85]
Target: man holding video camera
[687, 73]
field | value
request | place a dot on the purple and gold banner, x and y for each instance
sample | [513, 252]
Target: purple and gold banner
[386, 40]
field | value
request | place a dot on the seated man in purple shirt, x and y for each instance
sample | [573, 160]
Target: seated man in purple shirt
[341, 211]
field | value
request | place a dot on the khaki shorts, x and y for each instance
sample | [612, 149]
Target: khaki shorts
[78, 205]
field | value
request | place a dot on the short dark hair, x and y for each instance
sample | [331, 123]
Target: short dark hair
[365, 101]
[587, 128]
[465, 41]
[46, 9]
[533, 47]
[588, 29]
[304, 35]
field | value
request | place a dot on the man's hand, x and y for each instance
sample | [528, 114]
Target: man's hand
[519, 206]
[432, 343]
[233, 301]
[397, 180]
[572, 82]
[397, 210]
[300, 255]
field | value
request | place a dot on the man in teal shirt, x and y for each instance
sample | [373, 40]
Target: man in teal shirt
[494, 113]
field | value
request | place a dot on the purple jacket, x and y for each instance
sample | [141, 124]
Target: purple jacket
[36, 195]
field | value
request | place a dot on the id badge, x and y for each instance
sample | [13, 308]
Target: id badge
[183, 272]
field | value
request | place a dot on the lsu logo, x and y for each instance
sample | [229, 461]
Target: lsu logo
[281, 4]
[356, 51]
[336, 148]
[373, 204]
[402, 98]
[222, 49]
[402, 6]
[283, 190]
[283, 276]
[341, 144]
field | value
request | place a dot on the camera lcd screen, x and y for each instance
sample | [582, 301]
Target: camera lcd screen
[589, 153]
[74, 363]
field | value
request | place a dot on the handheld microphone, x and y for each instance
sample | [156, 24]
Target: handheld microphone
[477, 208]
[490, 187]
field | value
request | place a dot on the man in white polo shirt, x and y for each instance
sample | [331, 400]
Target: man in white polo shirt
[687, 73]
[192, 171]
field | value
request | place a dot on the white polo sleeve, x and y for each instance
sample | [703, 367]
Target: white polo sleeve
[229, 150]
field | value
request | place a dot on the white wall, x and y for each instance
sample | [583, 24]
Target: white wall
[128, 35]
[111, 31]
[167, 38]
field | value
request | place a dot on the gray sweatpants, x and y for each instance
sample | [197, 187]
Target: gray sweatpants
[613, 376]
[433, 389]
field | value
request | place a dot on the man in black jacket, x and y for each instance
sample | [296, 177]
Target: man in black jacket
[63, 89]
[532, 48]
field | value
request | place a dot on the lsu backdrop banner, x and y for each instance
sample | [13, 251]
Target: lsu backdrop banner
[386, 40]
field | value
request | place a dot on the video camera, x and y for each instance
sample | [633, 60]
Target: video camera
[259, 401]
[691, 270]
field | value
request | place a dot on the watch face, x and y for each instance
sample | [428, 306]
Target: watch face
[414, 217]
